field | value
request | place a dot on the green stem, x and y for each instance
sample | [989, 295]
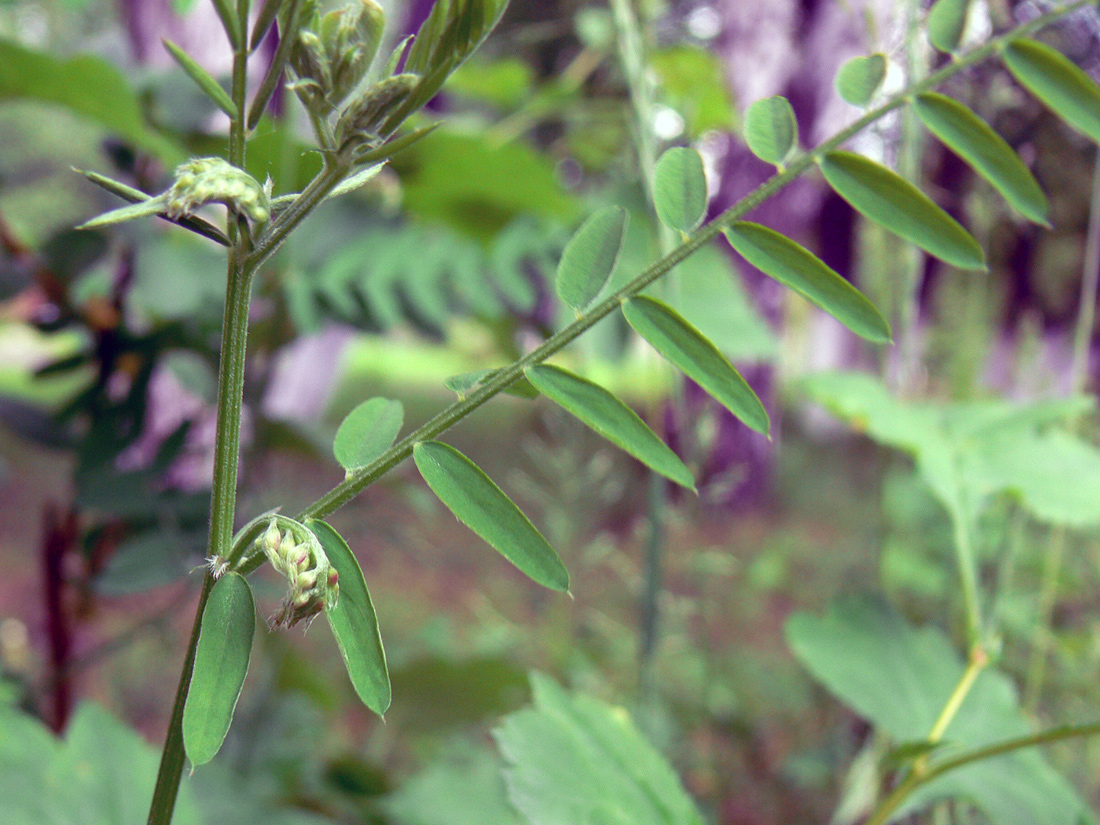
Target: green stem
[348, 489]
[968, 572]
[977, 663]
[226, 445]
[913, 781]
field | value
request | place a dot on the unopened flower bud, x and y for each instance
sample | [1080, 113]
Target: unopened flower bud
[360, 122]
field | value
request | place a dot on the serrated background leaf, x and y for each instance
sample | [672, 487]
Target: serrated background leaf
[972, 139]
[771, 130]
[699, 359]
[574, 759]
[778, 257]
[483, 507]
[899, 677]
[367, 432]
[895, 204]
[590, 257]
[611, 418]
[1057, 82]
[860, 78]
[221, 663]
[680, 189]
[354, 623]
[946, 23]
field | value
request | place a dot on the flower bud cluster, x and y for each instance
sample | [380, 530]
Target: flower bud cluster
[314, 583]
[334, 52]
[212, 180]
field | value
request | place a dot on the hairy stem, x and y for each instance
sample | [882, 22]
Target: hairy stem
[226, 445]
[348, 489]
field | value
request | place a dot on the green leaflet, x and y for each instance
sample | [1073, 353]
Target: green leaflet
[680, 189]
[208, 84]
[946, 22]
[354, 623]
[230, 20]
[590, 257]
[367, 432]
[971, 138]
[1052, 78]
[611, 418]
[698, 358]
[771, 130]
[893, 202]
[777, 256]
[859, 79]
[221, 663]
[483, 507]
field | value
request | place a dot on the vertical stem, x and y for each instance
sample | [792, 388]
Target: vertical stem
[227, 439]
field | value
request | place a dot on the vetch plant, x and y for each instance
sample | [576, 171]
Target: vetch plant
[361, 115]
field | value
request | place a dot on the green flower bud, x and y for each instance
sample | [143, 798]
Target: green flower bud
[312, 583]
[361, 120]
[212, 180]
[334, 52]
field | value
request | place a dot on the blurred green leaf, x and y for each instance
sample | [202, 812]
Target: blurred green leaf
[693, 82]
[478, 187]
[221, 663]
[771, 130]
[971, 138]
[367, 432]
[573, 759]
[479, 504]
[946, 22]
[354, 622]
[202, 78]
[590, 257]
[1051, 77]
[700, 360]
[860, 78]
[444, 693]
[504, 82]
[799, 269]
[894, 203]
[898, 678]
[87, 86]
[611, 418]
[680, 189]
[455, 791]
[102, 773]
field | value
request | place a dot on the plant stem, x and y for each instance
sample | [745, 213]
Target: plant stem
[348, 489]
[223, 496]
[978, 662]
[913, 781]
